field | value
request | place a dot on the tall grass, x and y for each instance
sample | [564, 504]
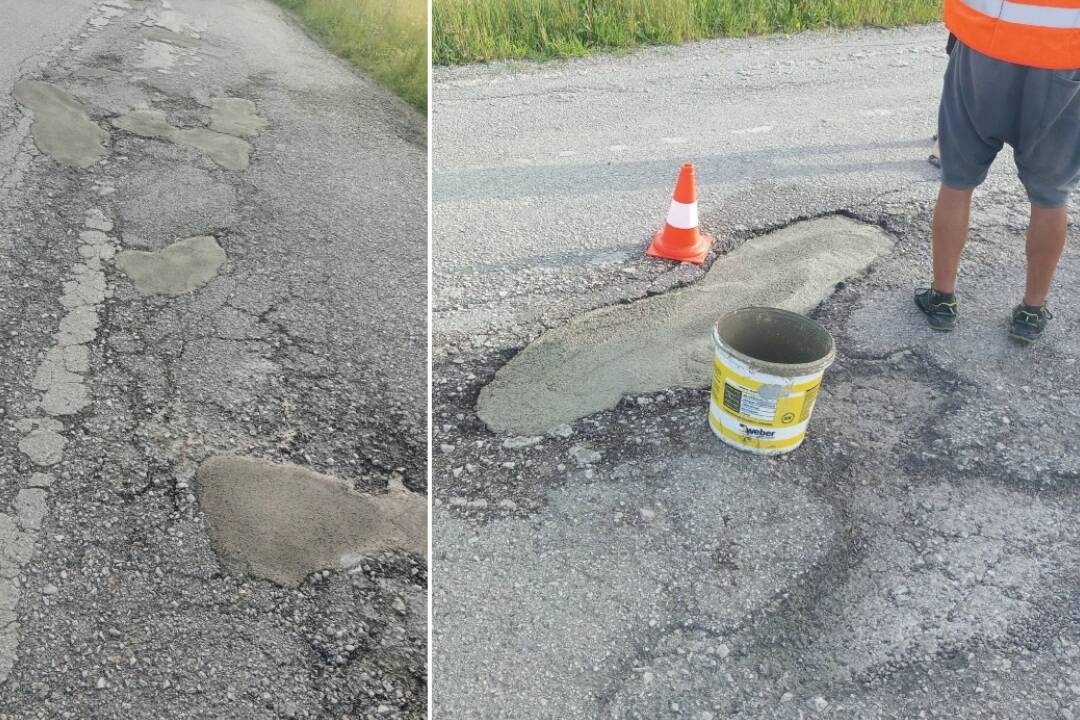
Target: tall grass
[479, 30]
[385, 38]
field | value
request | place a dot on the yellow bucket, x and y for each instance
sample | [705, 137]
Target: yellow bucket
[767, 370]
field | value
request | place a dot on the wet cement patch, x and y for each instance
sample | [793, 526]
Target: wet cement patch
[665, 341]
[62, 129]
[283, 522]
[178, 269]
[227, 151]
[235, 116]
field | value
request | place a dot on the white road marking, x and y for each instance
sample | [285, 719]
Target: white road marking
[60, 379]
[753, 130]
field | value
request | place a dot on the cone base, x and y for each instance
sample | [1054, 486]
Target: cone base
[695, 254]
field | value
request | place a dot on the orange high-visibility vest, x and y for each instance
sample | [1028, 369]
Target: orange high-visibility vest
[1036, 33]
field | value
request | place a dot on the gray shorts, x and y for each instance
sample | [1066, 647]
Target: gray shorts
[987, 103]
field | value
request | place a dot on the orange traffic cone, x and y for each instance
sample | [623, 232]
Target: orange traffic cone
[679, 240]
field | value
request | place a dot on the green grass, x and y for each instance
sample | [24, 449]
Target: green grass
[385, 38]
[480, 30]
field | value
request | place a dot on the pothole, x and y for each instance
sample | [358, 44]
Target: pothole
[284, 522]
[591, 362]
[61, 129]
[180, 268]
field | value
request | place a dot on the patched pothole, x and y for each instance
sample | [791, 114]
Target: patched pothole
[284, 522]
[178, 269]
[62, 129]
[229, 152]
[591, 362]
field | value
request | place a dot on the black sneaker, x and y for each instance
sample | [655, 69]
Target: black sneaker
[1028, 323]
[940, 310]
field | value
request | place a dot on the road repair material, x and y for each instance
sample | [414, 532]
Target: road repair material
[767, 373]
[284, 522]
[228, 151]
[591, 362]
[679, 239]
[180, 268]
[235, 116]
[62, 129]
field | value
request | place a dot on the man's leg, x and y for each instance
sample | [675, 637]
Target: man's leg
[1045, 243]
[951, 215]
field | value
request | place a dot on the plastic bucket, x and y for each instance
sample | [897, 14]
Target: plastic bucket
[767, 370]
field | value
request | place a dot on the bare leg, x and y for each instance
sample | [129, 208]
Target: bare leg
[1045, 243]
[951, 216]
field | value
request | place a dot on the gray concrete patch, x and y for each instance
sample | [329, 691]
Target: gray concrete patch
[159, 34]
[235, 116]
[62, 129]
[283, 522]
[665, 341]
[180, 268]
[227, 151]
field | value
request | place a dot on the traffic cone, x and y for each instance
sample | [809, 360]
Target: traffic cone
[679, 239]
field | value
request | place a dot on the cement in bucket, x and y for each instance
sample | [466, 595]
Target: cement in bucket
[767, 369]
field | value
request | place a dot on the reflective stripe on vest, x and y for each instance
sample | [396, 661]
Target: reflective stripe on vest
[1035, 33]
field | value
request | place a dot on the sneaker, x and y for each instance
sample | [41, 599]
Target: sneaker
[940, 310]
[1028, 323]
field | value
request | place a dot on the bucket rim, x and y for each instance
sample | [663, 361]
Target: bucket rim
[774, 368]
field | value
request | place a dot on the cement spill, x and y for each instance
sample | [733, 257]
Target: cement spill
[591, 362]
[178, 269]
[62, 129]
[283, 522]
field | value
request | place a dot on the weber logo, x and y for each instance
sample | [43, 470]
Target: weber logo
[757, 432]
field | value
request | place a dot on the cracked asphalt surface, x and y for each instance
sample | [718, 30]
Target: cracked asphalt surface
[916, 558]
[306, 346]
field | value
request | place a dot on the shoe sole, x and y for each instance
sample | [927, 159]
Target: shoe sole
[939, 328]
[1023, 340]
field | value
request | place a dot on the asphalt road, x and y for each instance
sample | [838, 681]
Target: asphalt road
[915, 558]
[212, 242]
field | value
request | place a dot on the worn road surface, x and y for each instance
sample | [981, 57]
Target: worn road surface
[212, 243]
[918, 557]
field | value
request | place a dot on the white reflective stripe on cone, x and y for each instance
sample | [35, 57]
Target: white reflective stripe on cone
[682, 215]
[1024, 14]
[738, 426]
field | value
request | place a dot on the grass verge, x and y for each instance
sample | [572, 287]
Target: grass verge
[385, 38]
[481, 30]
